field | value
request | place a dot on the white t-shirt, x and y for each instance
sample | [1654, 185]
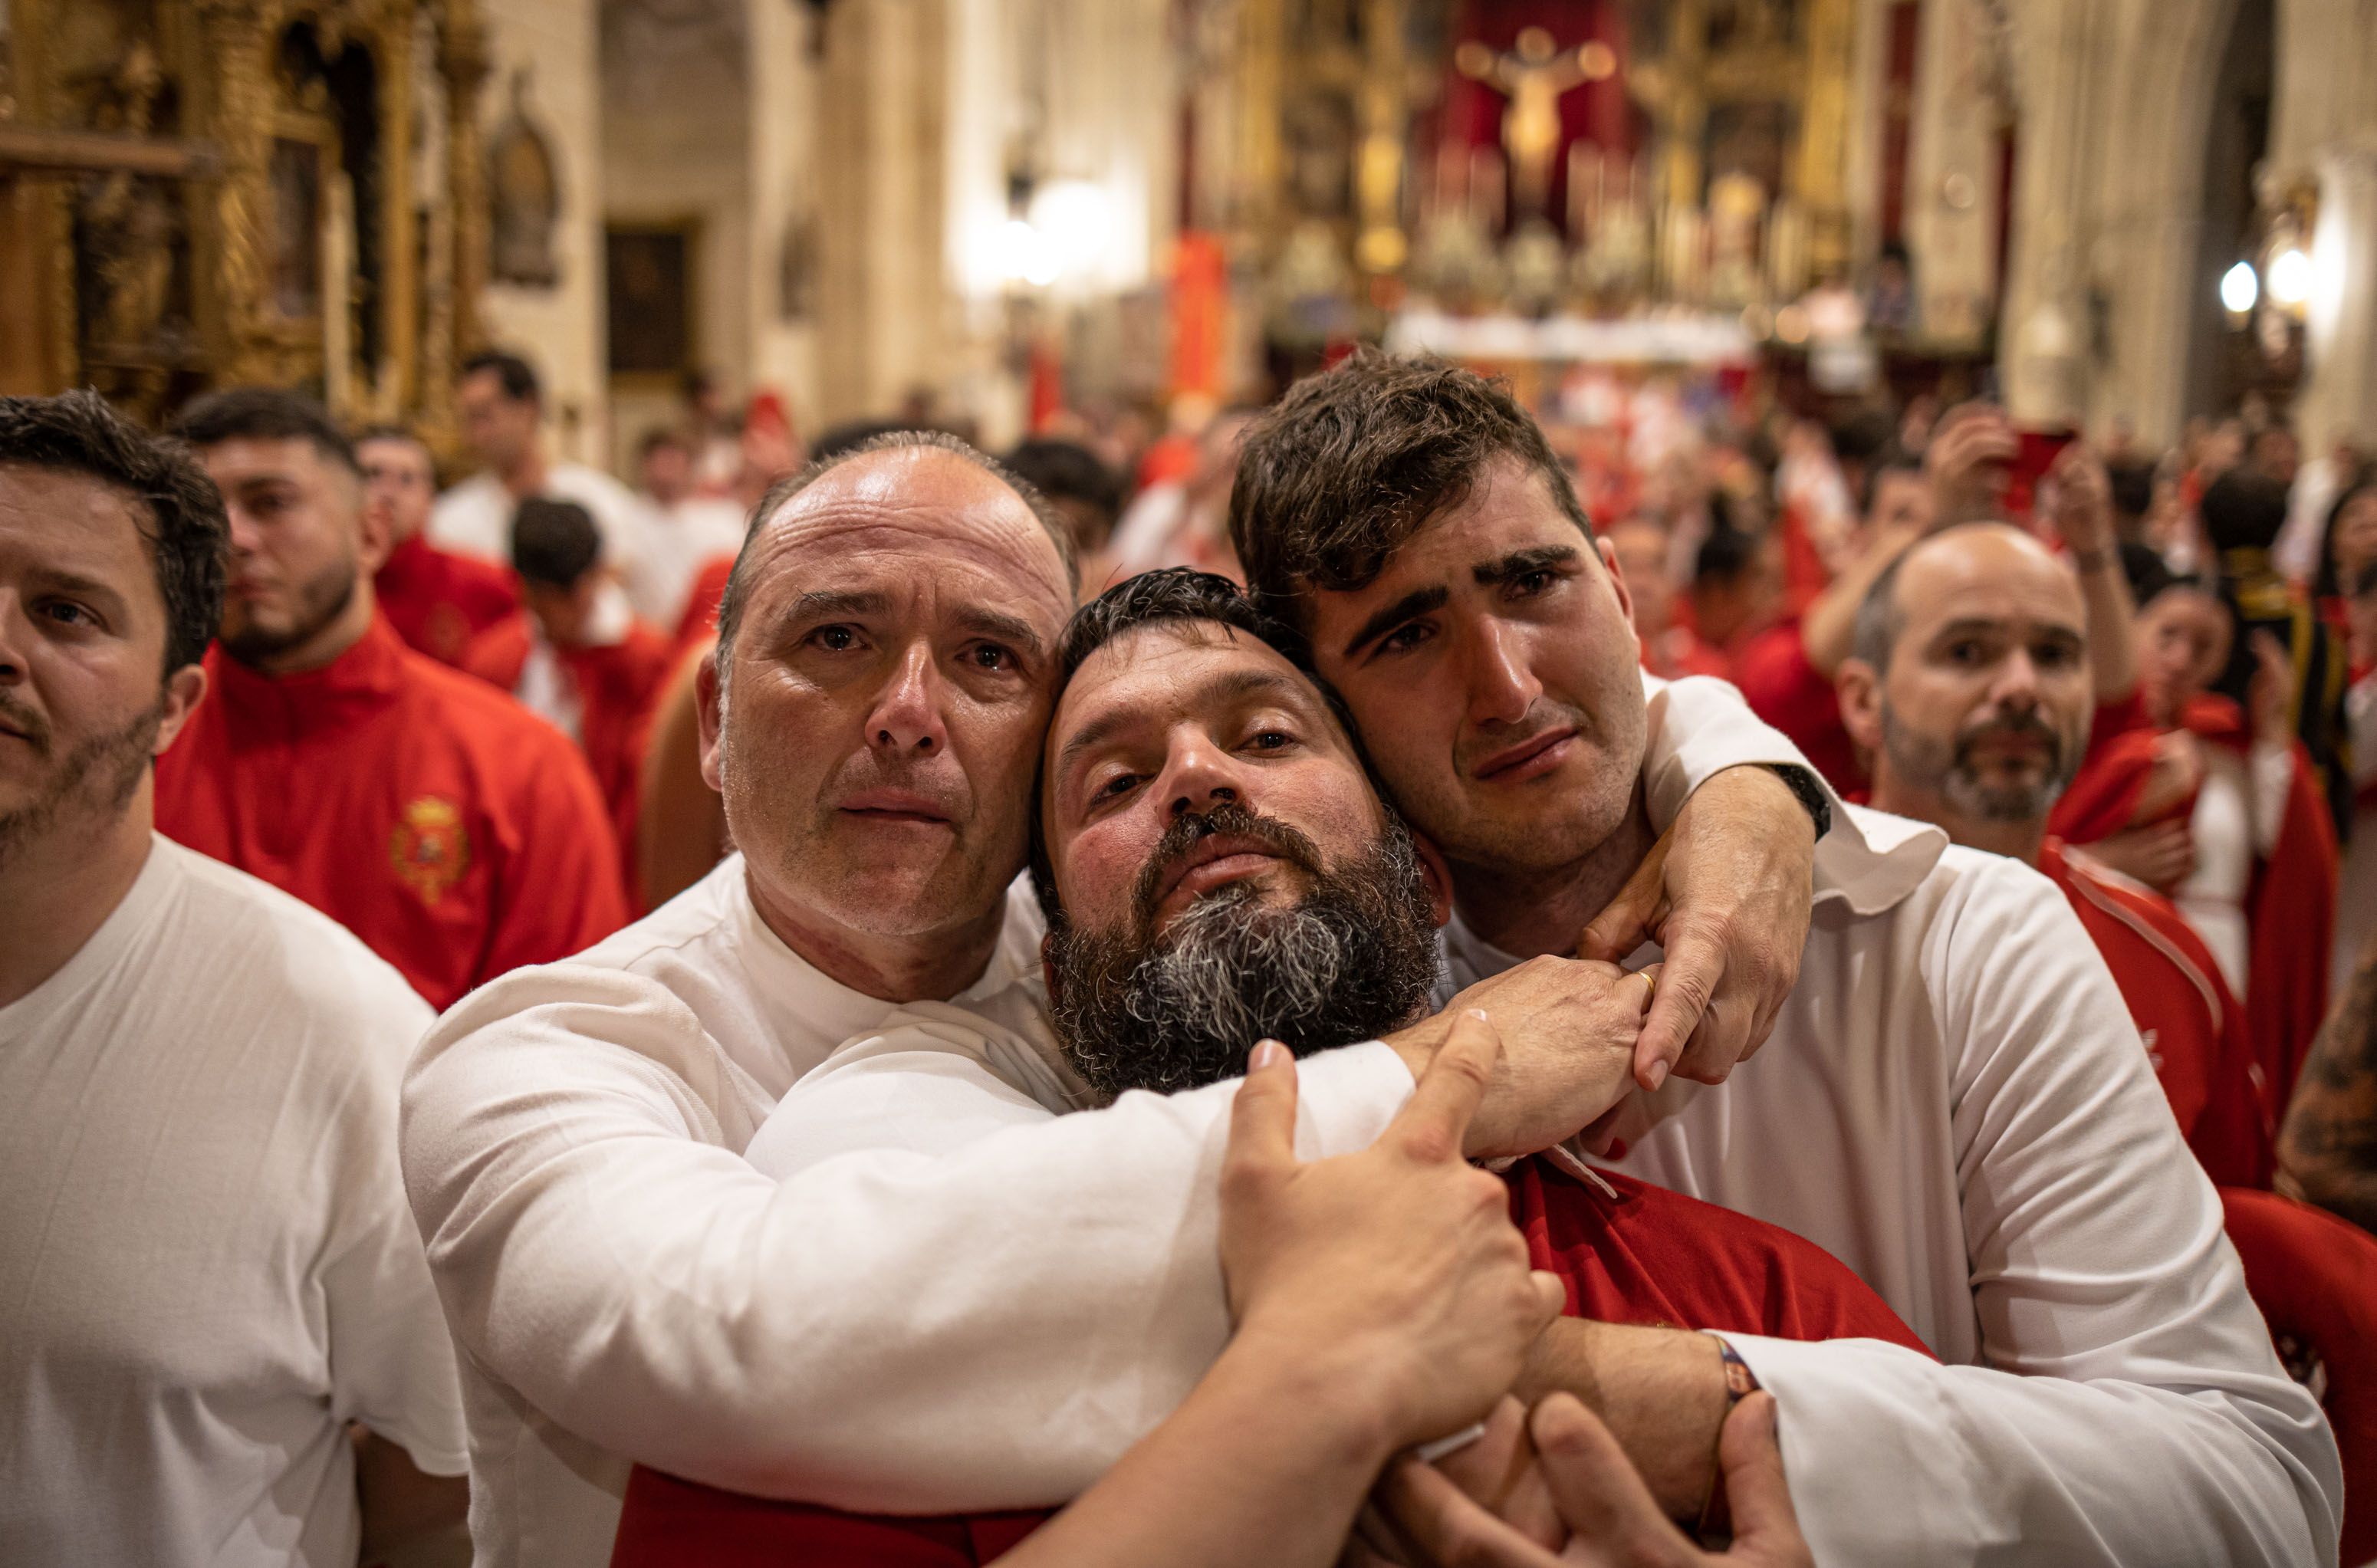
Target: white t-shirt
[624, 1286]
[207, 1266]
[476, 517]
[678, 541]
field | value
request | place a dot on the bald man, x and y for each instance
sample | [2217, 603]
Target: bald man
[1970, 687]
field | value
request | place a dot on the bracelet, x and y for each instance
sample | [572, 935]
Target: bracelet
[1717, 1514]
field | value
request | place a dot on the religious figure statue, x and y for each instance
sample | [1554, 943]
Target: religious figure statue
[127, 224]
[524, 192]
[1533, 76]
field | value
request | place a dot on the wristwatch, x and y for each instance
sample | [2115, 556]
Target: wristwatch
[1809, 791]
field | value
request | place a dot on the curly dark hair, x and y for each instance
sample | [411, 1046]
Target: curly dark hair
[1355, 460]
[175, 505]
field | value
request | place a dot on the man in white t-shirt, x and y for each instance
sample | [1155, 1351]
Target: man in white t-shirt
[1953, 1101]
[502, 405]
[627, 1288]
[212, 1278]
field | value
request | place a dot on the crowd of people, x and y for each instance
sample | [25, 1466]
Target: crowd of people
[1388, 977]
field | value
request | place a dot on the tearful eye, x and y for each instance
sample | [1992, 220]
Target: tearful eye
[1531, 581]
[1405, 638]
[1121, 783]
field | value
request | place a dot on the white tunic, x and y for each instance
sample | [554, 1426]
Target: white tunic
[476, 517]
[624, 1286]
[1955, 1104]
[207, 1266]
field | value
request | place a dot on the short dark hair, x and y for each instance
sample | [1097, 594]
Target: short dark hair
[515, 375]
[662, 435]
[2147, 572]
[265, 414]
[1863, 436]
[176, 507]
[738, 585]
[554, 543]
[1068, 471]
[1170, 595]
[1354, 462]
[1728, 555]
[2243, 510]
[2133, 487]
[1896, 463]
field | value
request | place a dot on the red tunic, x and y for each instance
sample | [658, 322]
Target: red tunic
[617, 687]
[1786, 690]
[438, 601]
[1645, 1255]
[2314, 1276]
[2193, 1029]
[457, 833]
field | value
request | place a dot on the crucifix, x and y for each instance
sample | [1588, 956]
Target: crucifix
[1534, 76]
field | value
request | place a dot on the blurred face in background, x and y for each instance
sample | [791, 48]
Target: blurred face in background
[1642, 551]
[499, 429]
[399, 485]
[2183, 638]
[301, 546]
[2353, 542]
[667, 473]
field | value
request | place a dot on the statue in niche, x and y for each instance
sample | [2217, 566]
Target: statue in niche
[1737, 211]
[126, 226]
[1320, 136]
[523, 198]
[796, 269]
[1533, 76]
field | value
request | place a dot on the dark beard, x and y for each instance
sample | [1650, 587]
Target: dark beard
[1352, 960]
[323, 600]
[97, 778]
[1950, 771]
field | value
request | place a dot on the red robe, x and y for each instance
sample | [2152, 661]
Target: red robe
[1645, 1255]
[701, 601]
[617, 687]
[454, 831]
[2193, 1029]
[1786, 690]
[2314, 1276]
[438, 601]
[2291, 905]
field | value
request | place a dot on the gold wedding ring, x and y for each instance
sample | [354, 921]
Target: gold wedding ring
[1651, 986]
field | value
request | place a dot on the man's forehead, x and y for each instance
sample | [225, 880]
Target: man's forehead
[1160, 669]
[1994, 578]
[68, 521]
[918, 501]
[255, 457]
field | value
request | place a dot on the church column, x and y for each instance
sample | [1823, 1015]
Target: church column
[2339, 396]
[463, 61]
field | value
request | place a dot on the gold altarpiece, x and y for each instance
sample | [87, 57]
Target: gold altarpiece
[196, 193]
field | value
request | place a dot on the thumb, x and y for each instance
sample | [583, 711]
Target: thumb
[1262, 1117]
[1596, 1489]
[1751, 1459]
[1631, 917]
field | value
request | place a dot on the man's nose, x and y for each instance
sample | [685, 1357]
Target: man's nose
[1199, 777]
[2017, 688]
[1502, 686]
[907, 715]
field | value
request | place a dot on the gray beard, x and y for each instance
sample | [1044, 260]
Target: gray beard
[1353, 959]
[1949, 772]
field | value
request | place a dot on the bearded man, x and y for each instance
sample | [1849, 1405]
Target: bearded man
[1216, 866]
[457, 833]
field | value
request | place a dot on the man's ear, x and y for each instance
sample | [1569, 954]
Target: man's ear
[705, 705]
[1439, 878]
[185, 689]
[1860, 694]
[1608, 553]
[373, 532]
[1048, 966]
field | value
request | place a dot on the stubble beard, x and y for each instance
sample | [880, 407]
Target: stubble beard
[1949, 771]
[324, 599]
[95, 783]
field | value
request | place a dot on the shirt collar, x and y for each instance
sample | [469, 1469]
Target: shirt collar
[360, 681]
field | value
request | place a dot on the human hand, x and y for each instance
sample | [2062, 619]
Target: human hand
[1393, 1277]
[1971, 454]
[2176, 773]
[1612, 1519]
[2084, 501]
[2271, 692]
[1569, 1029]
[1726, 893]
[2161, 855]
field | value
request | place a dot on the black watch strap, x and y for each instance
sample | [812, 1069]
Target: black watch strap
[1811, 795]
